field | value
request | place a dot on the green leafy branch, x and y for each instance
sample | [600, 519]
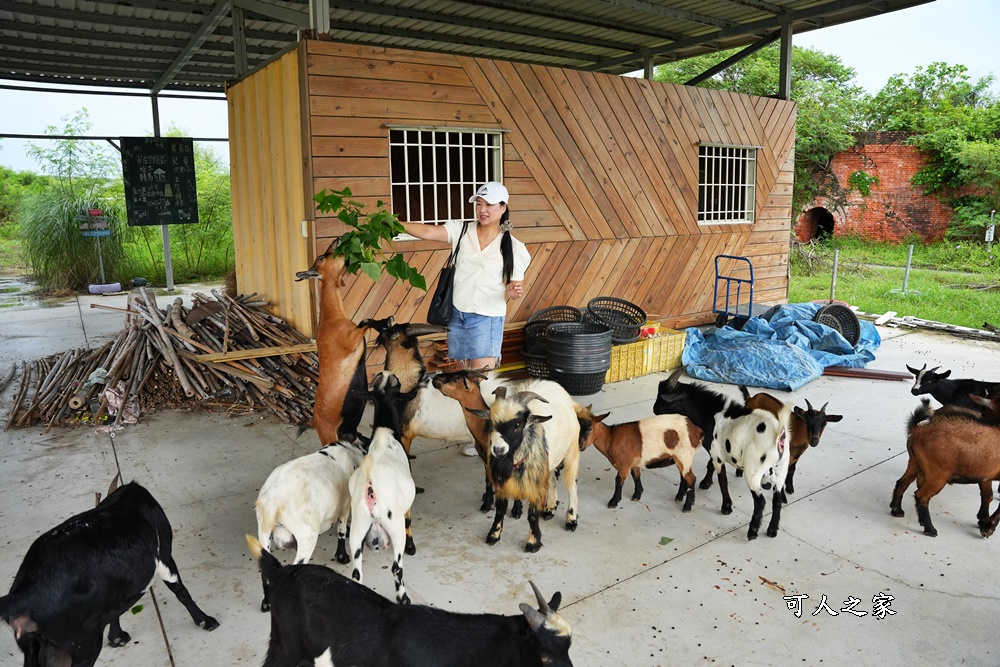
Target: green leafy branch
[862, 182]
[362, 247]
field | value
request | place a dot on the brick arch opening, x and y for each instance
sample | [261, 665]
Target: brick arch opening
[817, 223]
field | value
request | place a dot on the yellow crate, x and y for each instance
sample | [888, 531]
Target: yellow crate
[646, 356]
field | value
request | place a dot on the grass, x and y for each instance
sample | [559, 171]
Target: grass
[944, 285]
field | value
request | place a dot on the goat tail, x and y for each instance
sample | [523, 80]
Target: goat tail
[303, 426]
[269, 565]
[923, 413]
[267, 517]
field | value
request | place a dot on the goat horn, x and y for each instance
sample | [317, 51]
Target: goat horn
[823, 409]
[543, 606]
[933, 369]
[500, 392]
[525, 397]
[808, 405]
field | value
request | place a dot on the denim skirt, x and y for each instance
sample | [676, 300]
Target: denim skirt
[473, 336]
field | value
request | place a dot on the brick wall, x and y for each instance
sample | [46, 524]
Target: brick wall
[894, 210]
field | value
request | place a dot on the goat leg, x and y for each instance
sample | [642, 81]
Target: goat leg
[637, 492]
[759, 501]
[487, 497]
[687, 481]
[924, 493]
[727, 501]
[534, 530]
[517, 509]
[991, 525]
[789, 485]
[342, 556]
[706, 483]
[617, 496]
[776, 500]
[985, 497]
[410, 548]
[910, 474]
[497, 526]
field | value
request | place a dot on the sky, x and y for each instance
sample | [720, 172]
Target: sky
[962, 32]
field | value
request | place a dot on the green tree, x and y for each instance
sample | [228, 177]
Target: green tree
[822, 87]
[58, 256]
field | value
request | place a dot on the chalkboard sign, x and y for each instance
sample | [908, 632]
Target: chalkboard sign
[159, 180]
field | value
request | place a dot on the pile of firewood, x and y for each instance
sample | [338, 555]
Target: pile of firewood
[224, 351]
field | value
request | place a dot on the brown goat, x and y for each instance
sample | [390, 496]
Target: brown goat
[341, 347]
[949, 449]
[653, 442]
[805, 426]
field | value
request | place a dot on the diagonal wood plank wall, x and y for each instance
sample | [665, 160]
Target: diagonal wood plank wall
[602, 170]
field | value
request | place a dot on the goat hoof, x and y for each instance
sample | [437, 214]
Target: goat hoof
[209, 624]
[727, 509]
[265, 606]
[571, 526]
[752, 535]
[492, 539]
[897, 513]
[705, 484]
[516, 512]
[486, 506]
[410, 547]
[547, 514]
[930, 532]
[772, 532]
[532, 547]
[612, 503]
[405, 599]
[686, 508]
[121, 640]
[343, 558]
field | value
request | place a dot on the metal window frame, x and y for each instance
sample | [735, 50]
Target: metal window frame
[727, 184]
[442, 139]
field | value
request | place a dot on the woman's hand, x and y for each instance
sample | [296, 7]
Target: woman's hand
[515, 289]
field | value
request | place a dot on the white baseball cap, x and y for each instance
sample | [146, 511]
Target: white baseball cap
[492, 192]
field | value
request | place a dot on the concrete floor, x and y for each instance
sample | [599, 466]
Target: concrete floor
[642, 584]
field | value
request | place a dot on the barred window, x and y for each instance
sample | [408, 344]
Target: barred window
[727, 178]
[434, 171]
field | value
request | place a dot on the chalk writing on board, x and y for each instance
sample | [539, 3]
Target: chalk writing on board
[159, 177]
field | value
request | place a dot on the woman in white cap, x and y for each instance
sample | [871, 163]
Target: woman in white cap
[490, 268]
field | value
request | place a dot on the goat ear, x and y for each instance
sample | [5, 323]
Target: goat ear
[745, 392]
[535, 619]
[500, 392]
[555, 601]
[600, 418]
[834, 418]
[539, 419]
[482, 414]
[798, 411]
[944, 375]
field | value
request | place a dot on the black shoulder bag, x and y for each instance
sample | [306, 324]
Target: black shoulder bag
[439, 311]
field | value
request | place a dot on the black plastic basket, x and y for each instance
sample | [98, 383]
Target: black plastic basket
[842, 319]
[625, 319]
[536, 365]
[557, 314]
[534, 337]
[580, 384]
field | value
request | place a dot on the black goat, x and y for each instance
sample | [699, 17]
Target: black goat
[85, 573]
[950, 392]
[402, 350]
[322, 617]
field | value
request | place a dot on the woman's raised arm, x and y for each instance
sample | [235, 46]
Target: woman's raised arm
[426, 232]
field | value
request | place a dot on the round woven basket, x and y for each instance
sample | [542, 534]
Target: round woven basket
[534, 330]
[536, 365]
[580, 384]
[625, 319]
[840, 318]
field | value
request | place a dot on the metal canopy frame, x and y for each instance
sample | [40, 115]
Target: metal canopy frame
[203, 45]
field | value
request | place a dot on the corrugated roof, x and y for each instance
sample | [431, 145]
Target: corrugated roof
[188, 44]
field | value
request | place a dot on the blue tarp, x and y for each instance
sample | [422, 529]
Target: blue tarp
[786, 351]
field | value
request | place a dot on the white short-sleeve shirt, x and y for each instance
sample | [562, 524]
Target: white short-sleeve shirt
[479, 286]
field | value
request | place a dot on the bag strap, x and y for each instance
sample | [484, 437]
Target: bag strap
[454, 255]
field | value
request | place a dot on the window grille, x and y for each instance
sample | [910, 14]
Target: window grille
[727, 178]
[435, 171]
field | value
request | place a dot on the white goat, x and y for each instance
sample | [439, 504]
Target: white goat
[302, 498]
[756, 442]
[434, 416]
[382, 488]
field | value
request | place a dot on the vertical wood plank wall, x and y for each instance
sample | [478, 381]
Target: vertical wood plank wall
[269, 185]
[602, 170]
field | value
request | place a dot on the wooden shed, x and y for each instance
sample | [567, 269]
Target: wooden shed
[619, 186]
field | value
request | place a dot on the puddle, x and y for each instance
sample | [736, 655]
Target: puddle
[16, 292]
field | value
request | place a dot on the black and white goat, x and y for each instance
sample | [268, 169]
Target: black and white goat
[382, 488]
[319, 617]
[950, 392]
[754, 441]
[302, 498]
[85, 573]
[531, 433]
[402, 350]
